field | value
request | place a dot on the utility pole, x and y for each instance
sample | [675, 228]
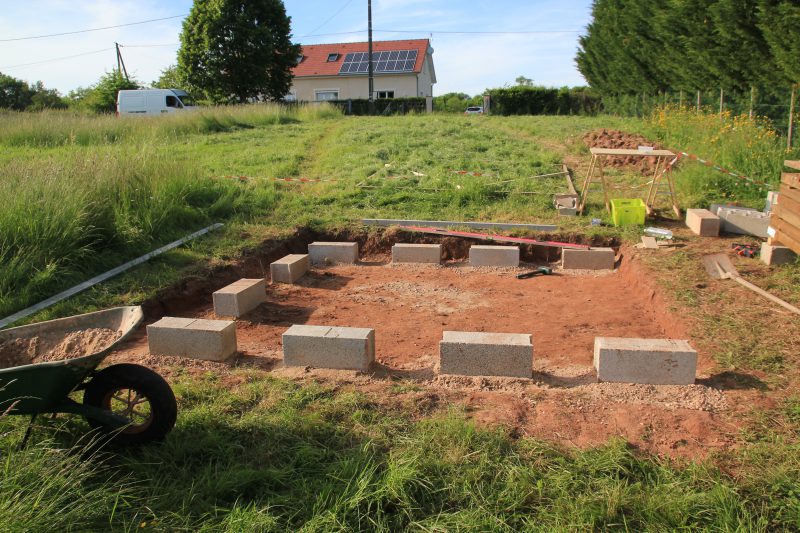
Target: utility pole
[371, 73]
[121, 63]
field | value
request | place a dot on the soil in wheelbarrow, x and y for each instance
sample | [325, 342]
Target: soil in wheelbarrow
[56, 347]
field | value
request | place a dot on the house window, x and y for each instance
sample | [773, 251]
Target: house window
[385, 94]
[300, 59]
[332, 57]
[290, 97]
[325, 95]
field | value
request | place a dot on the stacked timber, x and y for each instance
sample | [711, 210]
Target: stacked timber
[785, 221]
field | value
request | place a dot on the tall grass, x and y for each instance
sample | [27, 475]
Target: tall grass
[52, 128]
[71, 214]
[749, 147]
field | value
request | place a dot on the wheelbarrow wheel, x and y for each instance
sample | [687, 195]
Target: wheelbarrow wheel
[138, 394]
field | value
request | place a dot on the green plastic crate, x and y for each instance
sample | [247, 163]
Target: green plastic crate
[628, 211]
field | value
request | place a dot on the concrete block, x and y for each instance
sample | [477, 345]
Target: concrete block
[329, 347]
[211, 340]
[775, 254]
[496, 256]
[417, 253]
[290, 268]
[239, 297]
[333, 252]
[587, 259]
[703, 222]
[648, 361]
[714, 208]
[744, 221]
[486, 354]
[567, 211]
[772, 199]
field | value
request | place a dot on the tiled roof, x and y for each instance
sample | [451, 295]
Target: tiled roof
[315, 56]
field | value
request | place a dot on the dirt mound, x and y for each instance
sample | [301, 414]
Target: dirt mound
[26, 351]
[605, 138]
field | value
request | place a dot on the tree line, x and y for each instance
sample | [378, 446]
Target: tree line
[633, 47]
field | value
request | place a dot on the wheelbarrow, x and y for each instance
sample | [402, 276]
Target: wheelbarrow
[129, 403]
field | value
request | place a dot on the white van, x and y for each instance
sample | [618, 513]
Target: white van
[153, 101]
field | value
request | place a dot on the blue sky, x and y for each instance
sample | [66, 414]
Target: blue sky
[464, 62]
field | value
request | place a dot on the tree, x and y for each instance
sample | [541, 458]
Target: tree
[14, 93]
[523, 81]
[238, 50]
[779, 20]
[44, 98]
[170, 79]
[102, 98]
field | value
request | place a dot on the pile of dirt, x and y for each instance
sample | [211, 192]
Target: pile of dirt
[605, 138]
[40, 349]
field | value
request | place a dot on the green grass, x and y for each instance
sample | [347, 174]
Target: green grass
[82, 195]
[260, 454]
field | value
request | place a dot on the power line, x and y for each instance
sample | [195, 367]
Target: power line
[90, 29]
[434, 32]
[57, 58]
[148, 45]
[329, 18]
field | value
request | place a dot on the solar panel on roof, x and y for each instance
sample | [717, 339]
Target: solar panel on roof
[382, 62]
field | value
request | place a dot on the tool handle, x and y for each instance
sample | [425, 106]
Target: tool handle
[767, 295]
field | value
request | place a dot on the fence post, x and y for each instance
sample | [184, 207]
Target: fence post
[791, 119]
[721, 102]
[698, 100]
[752, 100]
[680, 99]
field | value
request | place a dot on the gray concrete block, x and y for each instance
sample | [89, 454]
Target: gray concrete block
[744, 221]
[417, 253]
[486, 354]
[329, 347]
[333, 252]
[240, 297]
[714, 208]
[290, 268]
[211, 340]
[703, 222]
[648, 361]
[587, 258]
[496, 256]
[775, 254]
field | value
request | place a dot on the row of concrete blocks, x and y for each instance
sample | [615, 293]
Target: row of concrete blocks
[624, 360]
[742, 221]
[479, 255]
[647, 361]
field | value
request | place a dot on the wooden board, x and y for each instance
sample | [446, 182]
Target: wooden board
[784, 240]
[788, 192]
[789, 204]
[792, 164]
[786, 234]
[791, 179]
[620, 151]
[783, 213]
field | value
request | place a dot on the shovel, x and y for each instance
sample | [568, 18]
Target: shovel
[719, 266]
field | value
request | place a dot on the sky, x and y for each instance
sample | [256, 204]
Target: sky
[466, 62]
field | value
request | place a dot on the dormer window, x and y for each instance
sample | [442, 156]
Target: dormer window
[333, 57]
[299, 59]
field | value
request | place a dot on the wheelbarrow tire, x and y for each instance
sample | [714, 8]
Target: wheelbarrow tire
[163, 407]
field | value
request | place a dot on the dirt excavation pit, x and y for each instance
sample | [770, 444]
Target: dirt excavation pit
[409, 306]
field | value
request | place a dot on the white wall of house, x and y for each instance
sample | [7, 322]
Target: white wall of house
[310, 89]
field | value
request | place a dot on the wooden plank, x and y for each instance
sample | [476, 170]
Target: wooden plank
[792, 164]
[784, 240]
[793, 219]
[621, 151]
[785, 233]
[791, 179]
[788, 192]
[789, 204]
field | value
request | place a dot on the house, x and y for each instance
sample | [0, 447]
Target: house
[339, 71]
